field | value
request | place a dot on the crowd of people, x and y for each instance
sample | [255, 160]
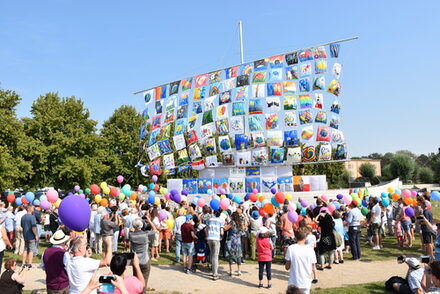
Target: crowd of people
[320, 238]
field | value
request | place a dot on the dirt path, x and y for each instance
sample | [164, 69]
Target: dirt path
[171, 278]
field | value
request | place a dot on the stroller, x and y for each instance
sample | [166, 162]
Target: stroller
[202, 253]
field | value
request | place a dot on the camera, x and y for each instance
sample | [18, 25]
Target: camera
[401, 259]
[106, 279]
[425, 259]
[419, 217]
[107, 286]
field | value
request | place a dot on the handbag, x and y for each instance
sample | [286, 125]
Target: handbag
[338, 239]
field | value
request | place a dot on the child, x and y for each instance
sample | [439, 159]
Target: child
[399, 233]
[264, 248]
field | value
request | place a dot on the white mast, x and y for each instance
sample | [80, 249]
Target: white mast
[240, 24]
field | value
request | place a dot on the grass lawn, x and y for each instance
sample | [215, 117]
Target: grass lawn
[370, 288]
[436, 210]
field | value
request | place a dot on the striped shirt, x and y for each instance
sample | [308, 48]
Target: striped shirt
[215, 224]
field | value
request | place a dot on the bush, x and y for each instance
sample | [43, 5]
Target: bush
[426, 175]
[402, 166]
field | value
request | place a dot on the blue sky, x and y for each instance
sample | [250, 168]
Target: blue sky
[103, 51]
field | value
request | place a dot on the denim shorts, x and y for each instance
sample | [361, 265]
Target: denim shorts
[188, 248]
[406, 225]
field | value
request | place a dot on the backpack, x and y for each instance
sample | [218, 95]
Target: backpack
[394, 279]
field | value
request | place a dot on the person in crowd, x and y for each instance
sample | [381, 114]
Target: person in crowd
[286, 231]
[327, 243]
[46, 221]
[52, 261]
[155, 243]
[177, 233]
[291, 289]
[256, 223]
[271, 224]
[405, 220]
[188, 237]
[107, 229]
[139, 244]
[414, 277]
[375, 223]
[299, 262]
[94, 284]
[135, 283]
[19, 240]
[30, 234]
[339, 228]
[91, 227]
[12, 282]
[389, 216]
[39, 220]
[164, 234]
[353, 220]
[431, 278]
[80, 267]
[4, 244]
[233, 242]
[97, 229]
[214, 229]
[10, 223]
[116, 219]
[427, 234]
[264, 248]
[53, 221]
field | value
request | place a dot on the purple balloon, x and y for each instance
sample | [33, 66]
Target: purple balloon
[340, 196]
[174, 192]
[162, 215]
[304, 203]
[273, 191]
[177, 198]
[184, 192]
[409, 212]
[70, 194]
[74, 212]
[292, 216]
[312, 206]
[222, 191]
[76, 188]
[44, 204]
[154, 178]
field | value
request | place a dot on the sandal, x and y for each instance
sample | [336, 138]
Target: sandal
[329, 267]
[260, 285]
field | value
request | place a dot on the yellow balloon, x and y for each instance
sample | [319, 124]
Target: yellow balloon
[103, 185]
[106, 190]
[289, 196]
[98, 198]
[390, 190]
[156, 201]
[361, 193]
[222, 196]
[170, 223]
[133, 201]
[57, 204]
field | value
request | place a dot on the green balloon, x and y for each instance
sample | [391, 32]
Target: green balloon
[126, 190]
[80, 191]
[121, 196]
[364, 211]
[87, 191]
[390, 195]
[354, 195]
[298, 205]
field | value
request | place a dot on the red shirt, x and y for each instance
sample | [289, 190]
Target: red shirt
[186, 230]
[264, 249]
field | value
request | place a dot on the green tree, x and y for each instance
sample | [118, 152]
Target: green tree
[13, 143]
[120, 134]
[64, 147]
[435, 166]
[367, 170]
[334, 171]
[402, 166]
[426, 175]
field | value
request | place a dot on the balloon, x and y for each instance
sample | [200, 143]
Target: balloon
[82, 195]
[355, 191]
[140, 188]
[384, 194]
[121, 196]
[36, 202]
[413, 193]
[298, 205]
[151, 193]
[103, 184]
[10, 198]
[390, 190]
[76, 188]
[253, 197]
[262, 212]
[30, 197]
[339, 196]
[274, 202]
[94, 189]
[222, 191]
[390, 195]
[269, 208]
[184, 192]
[331, 207]
[104, 202]
[98, 198]
[170, 223]
[255, 191]
[75, 213]
[385, 202]
[162, 215]
[292, 216]
[156, 201]
[120, 179]
[209, 192]
[273, 190]
[18, 201]
[133, 196]
[238, 199]
[201, 202]
[154, 178]
[264, 202]
[303, 211]
[224, 203]
[80, 191]
[145, 189]
[151, 199]
[215, 204]
[291, 206]
[409, 212]
[114, 191]
[106, 190]
[337, 205]
[126, 189]
[24, 200]
[87, 191]
[44, 204]
[396, 197]
[156, 187]
[261, 199]
[168, 196]
[289, 196]
[398, 191]
[406, 193]
[280, 197]
[324, 198]
[312, 207]
[347, 200]
[304, 203]
[435, 196]
[408, 201]
[364, 211]
[177, 198]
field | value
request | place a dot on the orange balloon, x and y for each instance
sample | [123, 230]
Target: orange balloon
[408, 201]
[396, 197]
[268, 207]
[104, 202]
[261, 198]
[414, 201]
[253, 197]
[133, 196]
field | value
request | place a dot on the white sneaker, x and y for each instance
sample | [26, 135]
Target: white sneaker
[376, 248]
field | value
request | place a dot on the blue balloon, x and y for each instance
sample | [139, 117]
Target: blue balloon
[303, 211]
[247, 196]
[194, 201]
[36, 202]
[151, 199]
[337, 204]
[258, 204]
[384, 194]
[274, 202]
[264, 202]
[237, 199]
[355, 190]
[364, 204]
[152, 194]
[30, 197]
[151, 186]
[398, 191]
[70, 194]
[230, 196]
[215, 204]
[18, 201]
[385, 202]
[144, 189]
[435, 196]
[43, 197]
[209, 192]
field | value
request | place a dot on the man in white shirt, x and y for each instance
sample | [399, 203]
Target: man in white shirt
[92, 226]
[177, 233]
[300, 259]
[375, 221]
[80, 269]
[19, 239]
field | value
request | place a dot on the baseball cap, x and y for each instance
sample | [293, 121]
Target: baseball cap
[188, 217]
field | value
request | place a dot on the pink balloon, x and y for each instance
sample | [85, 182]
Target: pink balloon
[168, 196]
[224, 203]
[324, 198]
[201, 202]
[291, 207]
[331, 207]
[347, 200]
[44, 205]
[52, 195]
[140, 188]
[76, 188]
[406, 193]
[413, 193]
[255, 191]
[82, 195]
[120, 179]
